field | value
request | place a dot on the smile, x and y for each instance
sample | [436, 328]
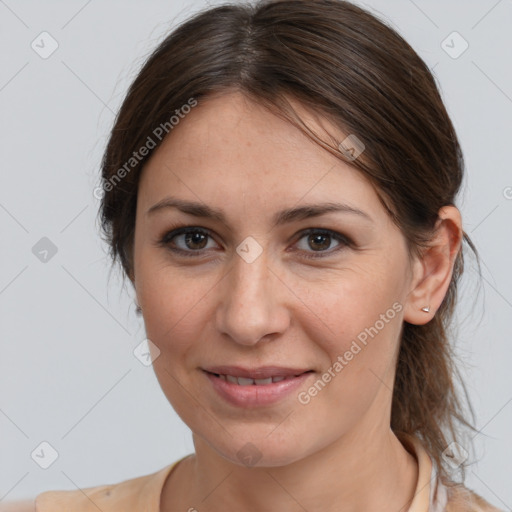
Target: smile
[244, 381]
[246, 393]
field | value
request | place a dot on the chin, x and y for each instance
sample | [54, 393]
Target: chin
[259, 451]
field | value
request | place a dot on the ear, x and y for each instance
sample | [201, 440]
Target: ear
[432, 272]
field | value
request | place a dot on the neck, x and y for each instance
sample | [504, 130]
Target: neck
[363, 470]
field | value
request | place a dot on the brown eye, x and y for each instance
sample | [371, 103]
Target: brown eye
[186, 241]
[195, 240]
[320, 240]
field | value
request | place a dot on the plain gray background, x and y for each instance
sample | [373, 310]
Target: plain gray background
[68, 375]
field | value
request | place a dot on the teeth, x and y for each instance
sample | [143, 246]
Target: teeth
[243, 381]
[263, 381]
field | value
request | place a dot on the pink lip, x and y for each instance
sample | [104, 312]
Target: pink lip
[255, 395]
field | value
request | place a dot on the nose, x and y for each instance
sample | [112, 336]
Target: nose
[252, 301]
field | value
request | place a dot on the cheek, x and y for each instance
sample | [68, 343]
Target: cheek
[358, 327]
[174, 314]
[350, 306]
[175, 304]
[357, 381]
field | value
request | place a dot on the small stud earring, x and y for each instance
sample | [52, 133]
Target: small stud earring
[426, 309]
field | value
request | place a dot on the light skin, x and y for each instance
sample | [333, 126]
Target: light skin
[281, 309]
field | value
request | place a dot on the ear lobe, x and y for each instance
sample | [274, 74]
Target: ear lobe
[432, 272]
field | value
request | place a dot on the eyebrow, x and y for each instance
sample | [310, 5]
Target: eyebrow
[280, 218]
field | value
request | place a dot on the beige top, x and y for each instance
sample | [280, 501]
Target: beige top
[142, 494]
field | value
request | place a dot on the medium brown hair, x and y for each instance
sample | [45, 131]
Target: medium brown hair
[342, 62]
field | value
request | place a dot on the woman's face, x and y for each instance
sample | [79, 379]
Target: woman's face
[244, 291]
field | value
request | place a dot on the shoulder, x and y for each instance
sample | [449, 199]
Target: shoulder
[18, 506]
[140, 493]
[82, 500]
[462, 499]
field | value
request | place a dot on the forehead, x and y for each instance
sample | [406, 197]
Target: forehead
[230, 147]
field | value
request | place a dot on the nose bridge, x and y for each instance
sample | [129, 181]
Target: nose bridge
[249, 306]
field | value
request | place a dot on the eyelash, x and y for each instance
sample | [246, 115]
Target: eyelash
[165, 241]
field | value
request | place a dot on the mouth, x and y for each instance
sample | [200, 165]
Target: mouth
[247, 381]
[251, 392]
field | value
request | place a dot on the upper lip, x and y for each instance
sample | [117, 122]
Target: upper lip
[263, 372]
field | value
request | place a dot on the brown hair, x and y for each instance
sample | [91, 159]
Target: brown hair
[342, 62]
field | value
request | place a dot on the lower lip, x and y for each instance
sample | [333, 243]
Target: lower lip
[256, 395]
